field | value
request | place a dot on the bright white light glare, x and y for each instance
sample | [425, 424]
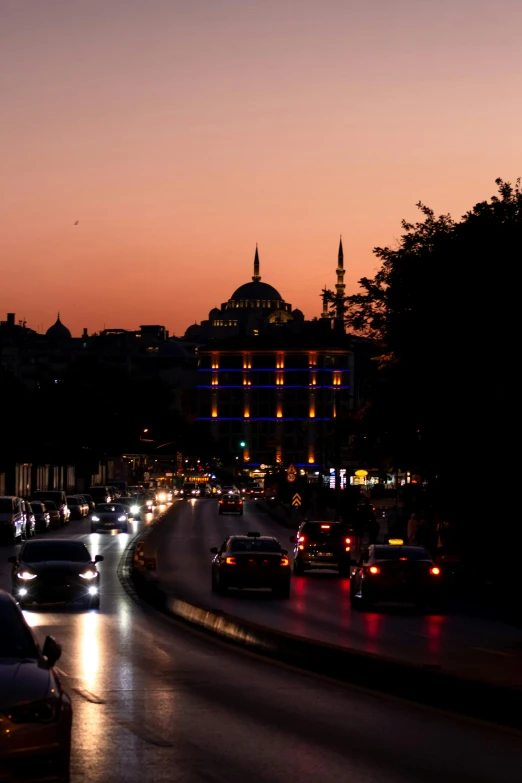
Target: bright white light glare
[95, 519]
[26, 575]
[88, 575]
[134, 509]
[122, 519]
[22, 591]
[93, 590]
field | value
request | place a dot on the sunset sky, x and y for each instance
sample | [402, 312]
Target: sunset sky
[181, 132]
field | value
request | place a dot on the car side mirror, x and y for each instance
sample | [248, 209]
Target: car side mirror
[214, 550]
[51, 650]
[292, 539]
[98, 558]
[12, 559]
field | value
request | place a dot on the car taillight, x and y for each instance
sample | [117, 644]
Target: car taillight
[284, 561]
[300, 539]
[221, 502]
[231, 561]
[240, 502]
[374, 570]
[325, 527]
[435, 571]
[348, 540]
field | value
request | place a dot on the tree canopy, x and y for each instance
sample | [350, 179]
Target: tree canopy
[439, 309]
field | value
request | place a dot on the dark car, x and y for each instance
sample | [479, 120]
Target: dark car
[251, 561]
[100, 494]
[110, 516]
[90, 501]
[77, 507]
[55, 571]
[230, 504]
[320, 545]
[42, 518]
[35, 712]
[55, 519]
[395, 573]
[59, 499]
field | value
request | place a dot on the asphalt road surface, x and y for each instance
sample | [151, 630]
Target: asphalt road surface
[319, 607]
[155, 701]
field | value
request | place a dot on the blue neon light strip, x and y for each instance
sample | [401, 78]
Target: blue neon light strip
[271, 386]
[260, 418]
[271, 369]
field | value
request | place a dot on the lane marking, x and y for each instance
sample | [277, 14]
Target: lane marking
[88, 696]
[143, 733]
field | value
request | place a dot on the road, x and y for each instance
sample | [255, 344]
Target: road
[319, 607]
[155, 701]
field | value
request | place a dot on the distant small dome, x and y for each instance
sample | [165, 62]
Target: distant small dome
[58, 331]
[256, 291]
[298, 315]
[214, 313]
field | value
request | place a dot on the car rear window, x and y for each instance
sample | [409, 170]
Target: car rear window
[57, 497]
[15, 640]
[321, 531]
[40, 551]
[398, 552]
[232, 497]
[255, 545]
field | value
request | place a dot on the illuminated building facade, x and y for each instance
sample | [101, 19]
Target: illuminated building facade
[277, 394]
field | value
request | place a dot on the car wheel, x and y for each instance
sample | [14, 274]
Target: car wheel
[240, 513]
[215, 586]
[298, 568]
[220, 512]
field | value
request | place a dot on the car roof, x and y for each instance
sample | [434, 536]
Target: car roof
[254, 538]
[46, 541]
[378, 548]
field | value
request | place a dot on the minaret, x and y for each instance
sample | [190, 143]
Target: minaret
[340, 285]
[256, 276]
[324, 294]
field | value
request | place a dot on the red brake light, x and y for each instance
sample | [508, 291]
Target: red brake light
[374, 570]
[231, 561]
[300, 539]
[435, 571]
[221, 502]
[284, 561]
[348, 540]
[325, 527]
[403, 558]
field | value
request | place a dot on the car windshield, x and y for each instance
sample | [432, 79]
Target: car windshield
[72, 501]
[255, 545]
[109, 507]
[323, 531]
[6, 505]
[40, 551]
[36, 506]
[49, 505]
[232, 497]
[400, 552]
[16, 640]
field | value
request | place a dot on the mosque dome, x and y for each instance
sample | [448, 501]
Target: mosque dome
[58, 331]
[256, 290]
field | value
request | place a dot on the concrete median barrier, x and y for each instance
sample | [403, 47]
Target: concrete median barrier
[424, 685]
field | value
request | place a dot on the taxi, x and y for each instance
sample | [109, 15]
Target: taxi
[394, 572]
[230, 504]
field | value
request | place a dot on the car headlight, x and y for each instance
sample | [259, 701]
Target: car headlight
[135, 509]
[122, 519]
[162, 496]
[89, 575]
[26, 575]
[37, 712]
[95, 519]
